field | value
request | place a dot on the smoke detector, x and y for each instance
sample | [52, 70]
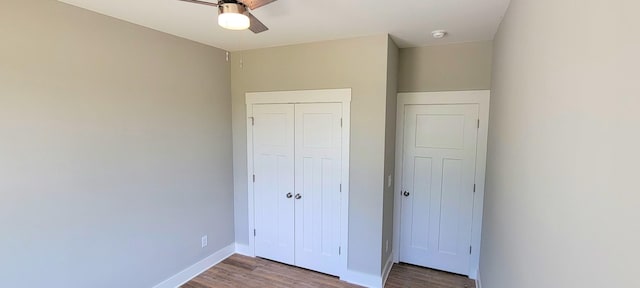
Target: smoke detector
[439, 34]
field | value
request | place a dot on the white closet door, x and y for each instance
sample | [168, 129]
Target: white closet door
[438, 182]
[273, 150]
[317, 177]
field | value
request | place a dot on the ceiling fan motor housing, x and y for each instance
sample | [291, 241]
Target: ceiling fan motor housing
[237, 8]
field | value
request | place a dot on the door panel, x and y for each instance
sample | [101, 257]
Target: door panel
[439, 157]
[452, 174]
[317, 178]
[273, 148]
[421, 194]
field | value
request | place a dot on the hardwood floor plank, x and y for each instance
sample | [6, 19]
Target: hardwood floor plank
[406, 276]
[242, 271]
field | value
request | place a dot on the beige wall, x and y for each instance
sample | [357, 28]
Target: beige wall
[115, 150]
[360, 64]
[389, 150]
[452, 67]
[561, 207]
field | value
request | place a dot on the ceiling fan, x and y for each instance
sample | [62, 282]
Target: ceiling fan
[234, 14]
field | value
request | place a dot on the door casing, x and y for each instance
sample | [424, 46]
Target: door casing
[342, 96]
[482, 98]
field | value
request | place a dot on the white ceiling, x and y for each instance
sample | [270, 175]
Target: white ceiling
[410, 22]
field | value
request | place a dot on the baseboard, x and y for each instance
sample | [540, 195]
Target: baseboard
[387, 270]
[243, 249]
[196, 269]
[362, 279]
[478, 282]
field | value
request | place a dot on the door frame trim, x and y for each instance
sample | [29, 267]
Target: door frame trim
[342, 96]
[480, 97]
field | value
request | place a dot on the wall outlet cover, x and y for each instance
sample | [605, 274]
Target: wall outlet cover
[204, 241]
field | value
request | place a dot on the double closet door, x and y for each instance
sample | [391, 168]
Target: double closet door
[297, 152]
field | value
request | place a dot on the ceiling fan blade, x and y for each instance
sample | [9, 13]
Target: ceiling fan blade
[256, 25]
[202, 2]
[255, 4]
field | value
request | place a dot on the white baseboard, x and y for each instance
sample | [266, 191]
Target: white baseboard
[196, 269]
[387, 270]
[362, 279]
[243, 249]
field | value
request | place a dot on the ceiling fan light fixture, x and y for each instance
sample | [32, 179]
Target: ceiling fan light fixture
[231, 16]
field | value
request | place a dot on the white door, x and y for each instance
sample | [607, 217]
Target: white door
[318, 141]
[439, 156]
[273, 150]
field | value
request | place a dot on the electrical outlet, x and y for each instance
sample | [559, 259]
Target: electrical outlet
[204, 241]
[389, 181]
[386, 249]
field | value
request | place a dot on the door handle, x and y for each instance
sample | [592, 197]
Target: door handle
[298, 196]
[406, 193]
[289, 195]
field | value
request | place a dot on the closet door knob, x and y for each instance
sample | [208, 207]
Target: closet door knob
[289, 195]
[298, 196]
[406, 193]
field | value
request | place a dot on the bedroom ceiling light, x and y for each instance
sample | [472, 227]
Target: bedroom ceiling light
[439, 34]
[231, 16]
